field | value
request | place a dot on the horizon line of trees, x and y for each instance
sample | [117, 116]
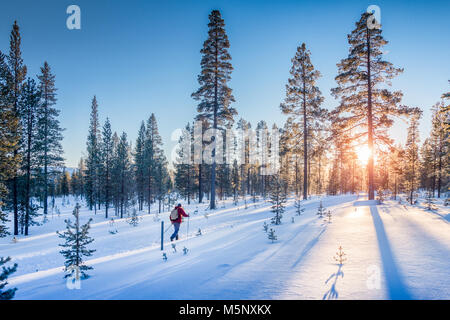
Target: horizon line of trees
[318, 147]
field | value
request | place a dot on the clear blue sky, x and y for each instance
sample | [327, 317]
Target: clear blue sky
[140, 57]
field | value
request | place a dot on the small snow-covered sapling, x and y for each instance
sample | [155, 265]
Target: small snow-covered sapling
[328, 216]
[133, 220]
[272, 235]
[446, 202]
[321, 210]
[298, 207]
[185, 250]
[174, 247]
[429, 201]
[340, 256]
[292, 220]
[380, 195]
[265, 226]
[164, 256]
[199, 232]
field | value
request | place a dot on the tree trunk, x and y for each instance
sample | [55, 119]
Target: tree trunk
[305, 146]
[200, 189]
[370, 166]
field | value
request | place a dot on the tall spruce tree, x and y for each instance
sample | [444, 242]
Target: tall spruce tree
[214, 94]
[440, 136]
[302, 103]
[76, 239]
[107, 163]
[139, 164]
[123, 172]
[367, 106]
[9, 140]
[49, 135]
[184, 167]
[29, 106]
[9, 125]
[17, 73]
[152, 153]
[93, 158]
[412, 157]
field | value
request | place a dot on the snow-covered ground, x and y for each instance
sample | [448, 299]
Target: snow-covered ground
[393, 252]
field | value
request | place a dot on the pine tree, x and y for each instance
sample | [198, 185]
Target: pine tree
[4, 274]
[49, 135]
[185, 169]
[235, 180]
[430, 201]
[76, 239]
[123, 171]
[412, 157]
[152, 153]
[139, 164]
[366, 105]
[298, 207]
[29, 105]
[93, 158]
[271, 235]
[214, 94]
[9, 140]
[302, 103]
[81, 172]
[278, 200]
[440, 136]
[16, 76]
[340, 256]
[321, 210]
[64, 184]
[162, 180]
[107, 163]
[133, 220]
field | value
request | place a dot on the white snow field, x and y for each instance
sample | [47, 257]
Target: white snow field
[393, 251]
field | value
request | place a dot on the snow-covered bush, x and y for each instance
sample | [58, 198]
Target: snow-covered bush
[4, 274]
[278, 199]
[321, 210]
[271, 235]
[430, 201]
[298, 207]
[133, 220]
[340, 256]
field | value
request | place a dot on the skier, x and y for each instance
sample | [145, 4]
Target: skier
[176, 217]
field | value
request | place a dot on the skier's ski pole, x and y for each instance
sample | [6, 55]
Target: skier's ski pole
[187, 236]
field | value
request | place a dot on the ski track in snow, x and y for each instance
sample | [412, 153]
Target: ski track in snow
[407, 246]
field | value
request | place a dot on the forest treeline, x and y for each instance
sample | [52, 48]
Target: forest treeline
[319, 148]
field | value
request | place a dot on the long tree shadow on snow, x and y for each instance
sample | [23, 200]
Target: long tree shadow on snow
[332, 293]
[394, 281]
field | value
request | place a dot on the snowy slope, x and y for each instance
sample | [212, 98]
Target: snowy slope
[393, 251]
